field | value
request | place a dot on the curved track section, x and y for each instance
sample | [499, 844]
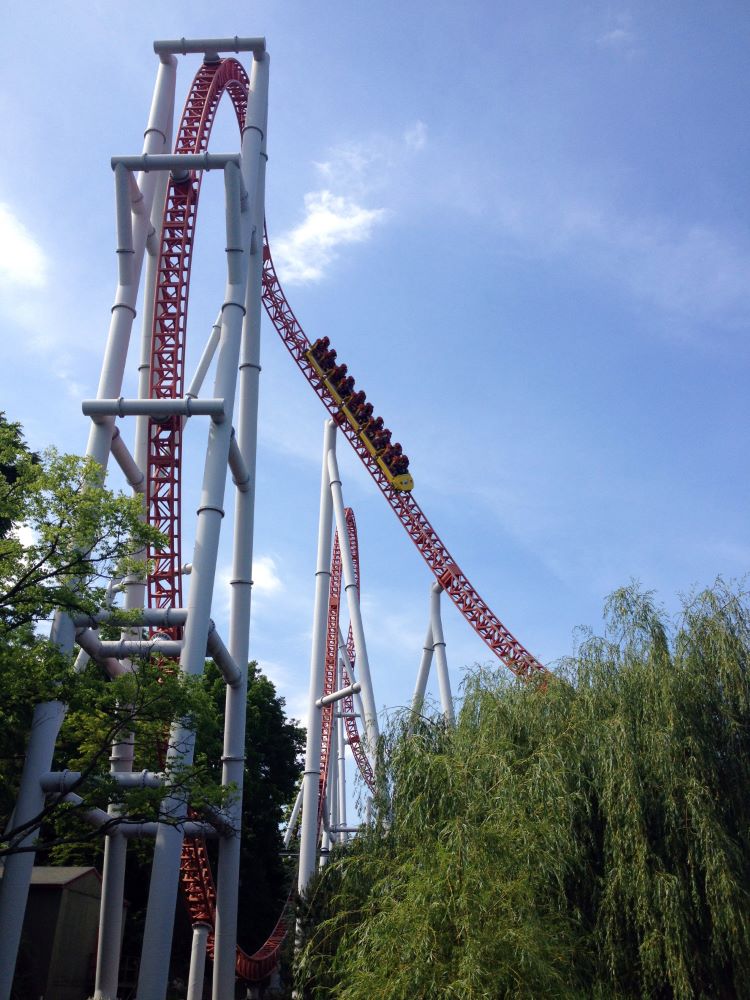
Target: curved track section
[170, 322]
[332, 656]
[454, 581]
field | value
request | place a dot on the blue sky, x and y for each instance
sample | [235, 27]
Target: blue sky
[524, 227]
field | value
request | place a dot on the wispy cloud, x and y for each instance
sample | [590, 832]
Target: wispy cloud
[689, 271]
[331, 221]
[620, 35]
[341, 212]
[416, 136]
[266, 579]
[22, 261]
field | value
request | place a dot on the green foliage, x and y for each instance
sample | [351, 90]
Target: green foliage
[587, 837]
[63, 536]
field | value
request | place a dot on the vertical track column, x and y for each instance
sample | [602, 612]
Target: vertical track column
[115, 845]
[355, 613]
[311, 779]
[198, 961]
[233, 759]
[438, 641]
[422, 675]
[331, 804]
[157, 940]
[341, 760]
[48, 717]
[113, 886]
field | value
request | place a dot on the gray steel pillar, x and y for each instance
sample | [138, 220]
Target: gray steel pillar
[233, 760]
[198, 962]
[48, 717]
[309, 835]
[424, 672]
[157, 940]
[115, 846]
[113, 884]
[45, 726]
[438, 641]
[341, 761]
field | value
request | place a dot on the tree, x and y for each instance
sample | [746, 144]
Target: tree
[586, 836]
[63, 537]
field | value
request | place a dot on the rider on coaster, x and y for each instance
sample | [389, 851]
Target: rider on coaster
[328, 360]
[391, 453]
[320, 347]
[357, 401]
[381, 439]
[363, 414]
[337, 376]
[400, 465]
[374, 426]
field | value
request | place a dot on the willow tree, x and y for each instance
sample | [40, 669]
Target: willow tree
[587, 837]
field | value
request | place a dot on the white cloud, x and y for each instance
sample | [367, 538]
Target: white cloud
[22, 261]
[331, 221]
[416, 137]
[350, 165]
[266, 579]
[337, 215]
[620, 36]
[616, 38]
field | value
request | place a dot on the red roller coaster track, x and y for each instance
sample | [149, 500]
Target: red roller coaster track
[165, 445]
[332, 649]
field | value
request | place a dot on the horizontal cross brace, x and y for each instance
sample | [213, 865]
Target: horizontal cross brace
[158, 409]
[176, 162]
[184, 46]
[329, 699]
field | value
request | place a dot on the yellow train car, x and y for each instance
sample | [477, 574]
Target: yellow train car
[403, 481]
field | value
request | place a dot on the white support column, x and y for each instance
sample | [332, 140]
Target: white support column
[309, 836]
[48, 717]
[157, 939]
[198, 961]
[115, 846]
[355, 614]
[289, 832]
[113, 886]
[332, 796]
[233, 760]
[123, 310]
[341, 762]
[423, 674]
[325, 839]
[436, 625]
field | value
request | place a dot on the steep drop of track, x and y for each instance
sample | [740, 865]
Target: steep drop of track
[456, 584]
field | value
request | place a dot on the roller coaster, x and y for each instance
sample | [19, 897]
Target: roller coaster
[339, 667]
